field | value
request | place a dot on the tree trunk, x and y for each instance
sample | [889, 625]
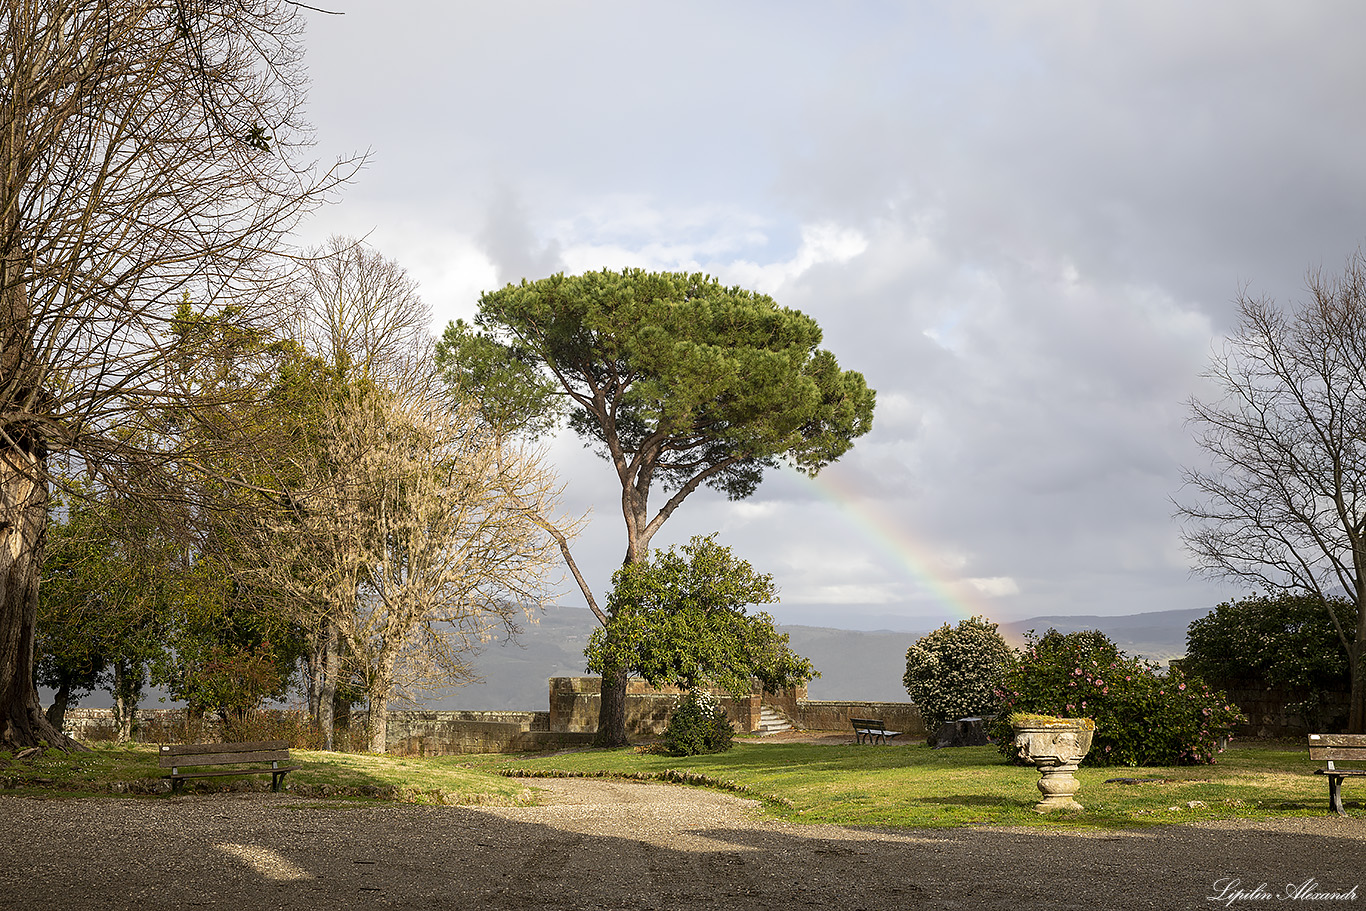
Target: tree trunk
[1356, 715]
[127, 693]
[327, 691]
[23, 521]
[56, 713]
[313, 674]
[378, 722]
[322, 664]
[612, 711]
[612, 706]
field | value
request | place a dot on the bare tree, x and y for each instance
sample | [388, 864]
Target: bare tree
[361, 320]
[459, 553]
[150, 154]
[362, 313]
[419, 536]
[410, 531]
[1283, 504]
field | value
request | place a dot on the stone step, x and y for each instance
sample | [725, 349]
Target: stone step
[772, 721]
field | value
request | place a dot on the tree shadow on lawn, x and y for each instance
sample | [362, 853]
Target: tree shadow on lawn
[863, 757]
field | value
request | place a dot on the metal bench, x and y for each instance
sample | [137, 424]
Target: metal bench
[178, 757]
[870, 730]
[1331, 748]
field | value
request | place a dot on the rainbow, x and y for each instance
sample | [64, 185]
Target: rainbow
[959, 600]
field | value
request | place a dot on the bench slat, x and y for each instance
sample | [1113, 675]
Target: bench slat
[167, 761]
[214, 772]
[187, 749]
[1335, 753]
[1338, 740]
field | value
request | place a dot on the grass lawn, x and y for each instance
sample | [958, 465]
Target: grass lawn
[911, 785]
[133, 769]
[902, 785]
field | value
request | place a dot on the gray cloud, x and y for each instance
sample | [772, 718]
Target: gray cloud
[1057, 204]
[511, 244]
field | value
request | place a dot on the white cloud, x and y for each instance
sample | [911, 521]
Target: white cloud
[996, 587]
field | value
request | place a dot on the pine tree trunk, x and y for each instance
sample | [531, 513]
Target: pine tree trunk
[612, 706]
[612, 711]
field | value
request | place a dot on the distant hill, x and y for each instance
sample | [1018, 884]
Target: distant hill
[854, 665]
[1158, 636]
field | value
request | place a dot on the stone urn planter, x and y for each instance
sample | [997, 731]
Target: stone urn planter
[1056, 746]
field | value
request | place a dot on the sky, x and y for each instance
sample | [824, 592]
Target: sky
[1026, 223]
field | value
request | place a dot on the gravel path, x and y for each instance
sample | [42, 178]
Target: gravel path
[612, 845]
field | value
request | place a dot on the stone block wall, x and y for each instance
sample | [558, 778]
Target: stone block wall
[572, 720]
[1269, 712]
[447, 733]
[574, 703]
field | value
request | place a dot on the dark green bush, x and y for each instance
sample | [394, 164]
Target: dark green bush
[1143, 717]
[1283, 641]
[697, 725]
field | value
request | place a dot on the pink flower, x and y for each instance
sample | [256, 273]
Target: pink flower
[1181, 686]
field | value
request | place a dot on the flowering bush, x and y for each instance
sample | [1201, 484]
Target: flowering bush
[955, 672]
[1143, 717]
[698, 725]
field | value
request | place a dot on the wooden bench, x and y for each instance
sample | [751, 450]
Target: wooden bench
[178, 757]
[1333, 747]
[871, 730]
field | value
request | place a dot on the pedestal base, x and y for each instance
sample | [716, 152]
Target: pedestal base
[1057, 785]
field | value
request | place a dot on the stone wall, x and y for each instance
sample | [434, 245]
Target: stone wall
[823, 715]
[572, 720]
[1269, 712]
[574, 703]
[447, 733]
[409, 733]
[150, 725]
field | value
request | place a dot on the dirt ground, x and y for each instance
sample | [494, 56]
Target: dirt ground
[605, 845]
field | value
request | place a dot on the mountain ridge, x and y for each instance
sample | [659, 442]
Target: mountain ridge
[854, 664]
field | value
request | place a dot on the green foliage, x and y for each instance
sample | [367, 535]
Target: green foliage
[1287, 641]
[512, 396]
[674, 366]
[1143, 718]
[102, 604]
[956, 672]
[1283, 640]
[680, 620]
[227, 651]
[697, 725]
